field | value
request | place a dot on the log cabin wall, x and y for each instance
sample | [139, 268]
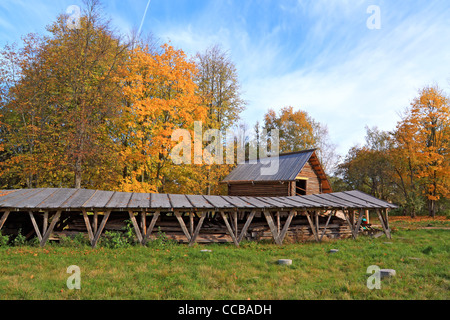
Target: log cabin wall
[260, 189]
[313, 185]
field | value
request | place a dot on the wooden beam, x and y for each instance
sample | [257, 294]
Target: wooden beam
[35, 226]
[88, 226]
[95, 222]
[150, 228]
[326, 225]
[283, 233]
[197, 229]
[191, 223]
[313, 228]
[135, 226]
[3, 219]
[47, 233]
[183, 225]
[358, 225]
[235, 219]
[272, 226]
[246, 225]
[144, 222]
[100, 228]
[45, 222]
[385, 228]
[230, 231]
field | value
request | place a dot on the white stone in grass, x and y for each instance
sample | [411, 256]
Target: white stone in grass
[286, 262]
[205, 250]
[333, 250]
[387, 273]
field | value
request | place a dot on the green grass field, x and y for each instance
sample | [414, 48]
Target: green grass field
[420, 258]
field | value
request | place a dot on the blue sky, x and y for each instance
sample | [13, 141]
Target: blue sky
[316, 55]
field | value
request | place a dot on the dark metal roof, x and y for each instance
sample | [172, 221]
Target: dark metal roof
[289, 166]
[78, 199]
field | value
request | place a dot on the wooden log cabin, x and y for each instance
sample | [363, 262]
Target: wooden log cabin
[298, 174]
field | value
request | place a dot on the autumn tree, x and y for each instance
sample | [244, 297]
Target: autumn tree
[220, 93]
[63, 104]
[423, 138]
[161, 96]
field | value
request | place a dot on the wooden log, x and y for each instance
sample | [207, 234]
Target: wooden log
[311, 224]
[100, 228]
[246, 225]
[35, 226]
[197, 229]
[183, 225]
[150, 228]
[326, 225]
[286, 226]
[136, 228]
[88, 226]
[272, 227]
[49, 230]
[230, 231]
[3, 219]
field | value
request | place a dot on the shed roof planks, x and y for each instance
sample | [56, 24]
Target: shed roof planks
[78, 199]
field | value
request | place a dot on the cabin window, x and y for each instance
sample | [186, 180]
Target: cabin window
[300, 187]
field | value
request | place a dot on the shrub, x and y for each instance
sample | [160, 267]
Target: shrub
[3, 240]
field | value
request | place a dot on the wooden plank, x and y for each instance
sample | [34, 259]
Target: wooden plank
[313, 227]
[274, 202]
[386, 230]
[88, 226]
[47, 234]
[191, 223]
[57, 199]
[160, 201]
[179, 201]
[45, 222]
[3, 219]
[139, 201]
[377, 202]
[119, 200]
[78, 199]
[16, 198]
[183, 225]
[197, 229]
[282, 235]
[272, 227]
[256, 202]
[36, 199]
[219, 203]
[355, 202]
[361, 216]
[135, 226]
[100, 229]
[199, 202]
[151, 226]
[95, 222]
[35, 226]
[144, 222]
[246, 225]
[230, 231]
[333, 212]
[98, 200]
[238, 202]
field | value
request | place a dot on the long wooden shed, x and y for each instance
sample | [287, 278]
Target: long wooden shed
[186, 218]
[298, 173]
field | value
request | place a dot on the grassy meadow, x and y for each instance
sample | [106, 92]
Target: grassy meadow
[171, 271]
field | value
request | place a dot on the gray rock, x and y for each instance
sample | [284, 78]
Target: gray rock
[286, 262]
[387, 273]
[333, 250]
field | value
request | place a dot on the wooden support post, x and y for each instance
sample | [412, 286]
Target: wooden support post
[49, 230]
[45, 222]
[278, 222]
[358, 225]
[3, 219]
[230, 230]
[272, 226]
[88, 226]
[246, 225]
[367, 216]
[317, 222]
[387, 232]
[183, 225]
[283, 233]
[313, 227]
[143, 222]
[197, 229]
[35, 226]
[135, 226]
[95, 222]
[235, 219]
[100, 229]
[326, 225]
[191, 223]
[150, 228]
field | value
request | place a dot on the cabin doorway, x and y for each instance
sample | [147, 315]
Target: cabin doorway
[300, 187]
